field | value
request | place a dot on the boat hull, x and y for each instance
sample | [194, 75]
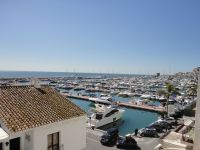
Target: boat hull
[106, 120]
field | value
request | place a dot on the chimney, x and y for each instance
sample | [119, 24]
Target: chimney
[36, 83]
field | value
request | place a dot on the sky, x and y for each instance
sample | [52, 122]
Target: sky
[105, 36]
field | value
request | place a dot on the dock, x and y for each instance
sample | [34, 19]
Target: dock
[142, 107]
[122, 104]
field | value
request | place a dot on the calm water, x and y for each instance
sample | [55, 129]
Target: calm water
[26, 74]
[132, 118]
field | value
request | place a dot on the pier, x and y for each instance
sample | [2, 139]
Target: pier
[142, 107]
[122, 104]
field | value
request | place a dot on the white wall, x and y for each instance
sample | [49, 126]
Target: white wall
[197, 120]
[24, 143]
[72, 135]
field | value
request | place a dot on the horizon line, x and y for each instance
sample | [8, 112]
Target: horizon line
[47, 71]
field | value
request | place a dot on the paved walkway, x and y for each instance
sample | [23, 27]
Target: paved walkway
[93, 142]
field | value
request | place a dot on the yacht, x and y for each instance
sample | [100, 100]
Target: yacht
[145, 96]
[114, 92]
[106, 97]
[162, 98]
[126, 94]
[102, 115]
[99, 100]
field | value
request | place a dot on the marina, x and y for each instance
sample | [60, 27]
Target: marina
[122, 104]
[137, 95]
[132, 119]
[100, 75]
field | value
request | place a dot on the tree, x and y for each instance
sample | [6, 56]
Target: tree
[192, 91]
[169, 91]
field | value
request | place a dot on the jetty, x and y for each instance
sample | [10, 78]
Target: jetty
[142, 107]
[121, 104]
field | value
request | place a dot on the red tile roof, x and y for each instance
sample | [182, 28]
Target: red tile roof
[24, 107]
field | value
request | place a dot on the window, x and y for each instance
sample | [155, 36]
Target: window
[53, 141]
[99, 116]
[111, 112]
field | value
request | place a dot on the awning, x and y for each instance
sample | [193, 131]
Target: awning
[3, 134]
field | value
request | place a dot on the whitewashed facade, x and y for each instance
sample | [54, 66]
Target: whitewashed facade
[197, 120]
[72, 136]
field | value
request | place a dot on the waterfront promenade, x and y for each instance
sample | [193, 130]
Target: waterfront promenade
[93, 142]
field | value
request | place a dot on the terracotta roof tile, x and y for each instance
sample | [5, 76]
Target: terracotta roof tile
[24, 107]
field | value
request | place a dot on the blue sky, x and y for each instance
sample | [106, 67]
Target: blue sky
[115, 36]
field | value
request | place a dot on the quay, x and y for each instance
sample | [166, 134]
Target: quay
[142, 107]
[93, 137]
[122, 104]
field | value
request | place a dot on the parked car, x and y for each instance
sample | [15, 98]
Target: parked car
[164, 124]
[177, 114]
[127, 143]
[110, 137]
[148, 132]
[171, 121]
[155, 126]
[160, 125]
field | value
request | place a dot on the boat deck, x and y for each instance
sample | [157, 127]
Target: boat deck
[88, 99]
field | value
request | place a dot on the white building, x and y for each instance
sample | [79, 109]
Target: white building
[39, 119]
[197, 119]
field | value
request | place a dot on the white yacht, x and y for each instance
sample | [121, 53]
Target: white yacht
[126, 94]
[114, 92]
[99, 100]
[162, 98]
[102, 115]
[145, 96]
[106, 97]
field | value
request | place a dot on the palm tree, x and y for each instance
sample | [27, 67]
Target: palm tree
[192, 91]
[169, 91]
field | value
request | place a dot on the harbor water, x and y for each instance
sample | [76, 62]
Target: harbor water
[132, 118]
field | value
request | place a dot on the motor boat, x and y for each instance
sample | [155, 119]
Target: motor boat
[106, 97]
[162, 98]
[154, 97]
[114, 92]
[126, 94]
[172, 101]
[102, 115]
[99, 100]
[79, 88]
[145, 96]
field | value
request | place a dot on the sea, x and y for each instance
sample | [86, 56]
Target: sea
[132, 118]
[37, 74]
